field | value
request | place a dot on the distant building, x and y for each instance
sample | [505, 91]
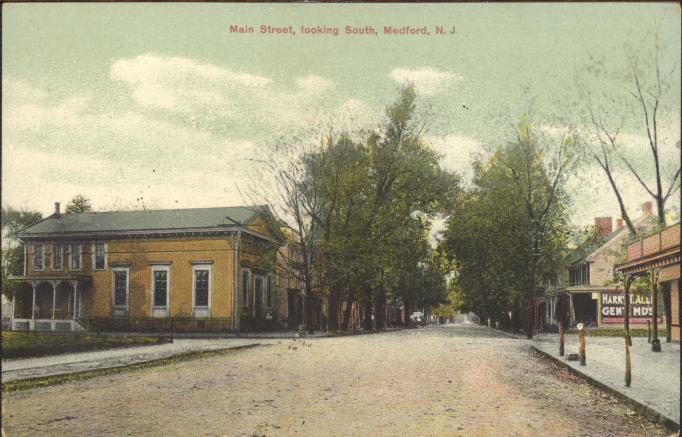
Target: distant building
[206, 269]
[290, 285]
[589, 280]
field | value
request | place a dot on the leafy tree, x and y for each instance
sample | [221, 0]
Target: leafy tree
[510, 228]
[13, 221]
[362, 204]
[78, 204]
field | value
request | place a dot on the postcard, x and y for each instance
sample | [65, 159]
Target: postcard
[341, 219]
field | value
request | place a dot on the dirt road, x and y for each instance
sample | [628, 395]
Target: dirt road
[444, 381]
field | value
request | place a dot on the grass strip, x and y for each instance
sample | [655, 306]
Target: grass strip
[35, 344]
[44, 381]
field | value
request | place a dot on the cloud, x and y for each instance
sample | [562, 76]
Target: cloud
[427, 80]
[210, 94]
[457, 152]
[54, 150]
[315, 84]
[181, 84]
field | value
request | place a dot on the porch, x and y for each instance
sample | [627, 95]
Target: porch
[47, 303]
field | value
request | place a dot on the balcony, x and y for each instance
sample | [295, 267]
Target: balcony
[665, 239]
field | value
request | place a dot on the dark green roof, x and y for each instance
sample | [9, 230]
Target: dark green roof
[147, 220]
[589, 246]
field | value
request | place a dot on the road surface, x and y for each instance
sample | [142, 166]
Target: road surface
[461, 380]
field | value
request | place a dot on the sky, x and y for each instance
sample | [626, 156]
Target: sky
[162, 106]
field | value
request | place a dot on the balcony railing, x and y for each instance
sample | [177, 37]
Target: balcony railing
[662, 240]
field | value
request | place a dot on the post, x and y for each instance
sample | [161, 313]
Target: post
[581, 331]
[626, 322]
[561, 339]
[33, 304]
[648, 330]
[54, 298]
[667, 300]
[628, 367]
[75, 286]
[655, 342]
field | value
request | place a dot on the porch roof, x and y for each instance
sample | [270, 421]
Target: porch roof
[50, 278]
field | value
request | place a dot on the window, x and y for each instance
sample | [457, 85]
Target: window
[160, 286]
[120, 288]
[99, 256]
[201, 287]
[268, 296]
[245, 288]
[38, 260]
[57, 256]
[75, 257]
[258, 291]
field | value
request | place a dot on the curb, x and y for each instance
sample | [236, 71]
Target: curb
[132, 364]
[638, 407]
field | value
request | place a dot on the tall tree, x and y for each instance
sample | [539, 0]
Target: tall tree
[510, 227]
[634, 107]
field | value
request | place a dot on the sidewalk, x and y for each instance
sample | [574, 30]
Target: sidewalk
[655, 387]
[24, 368]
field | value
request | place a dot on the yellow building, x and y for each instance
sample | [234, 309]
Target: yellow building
[183, 269]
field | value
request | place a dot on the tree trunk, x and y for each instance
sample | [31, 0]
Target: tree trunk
[531, 290]
[310, 309]
[380, 309]
[367, 324]
[349, 310]
[333, 319]
[406, 308]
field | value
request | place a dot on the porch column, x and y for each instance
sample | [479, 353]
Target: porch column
[655, 342]
[14, 298]
[74, 284]
[33, 303]
[626, 320]
[54, 297]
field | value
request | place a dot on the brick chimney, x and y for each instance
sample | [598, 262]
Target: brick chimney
[603, 226]
[620, 224]
[57, 213]
[647, 207]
